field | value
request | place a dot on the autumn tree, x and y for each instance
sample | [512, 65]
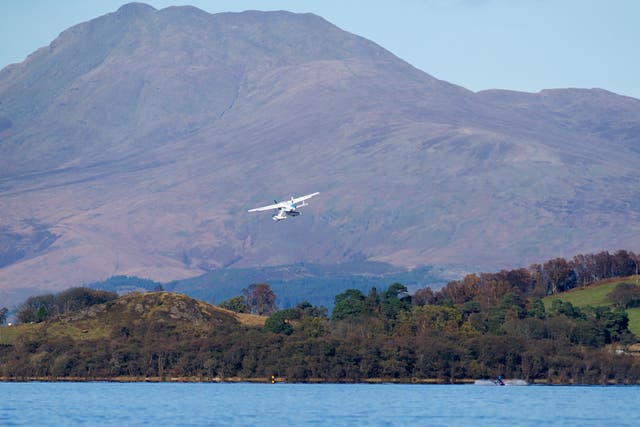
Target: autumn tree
[603, 265]
[459, 292]
[623, 263]
[436, 318]
[584, 267]
[260, 299]
[423, 296]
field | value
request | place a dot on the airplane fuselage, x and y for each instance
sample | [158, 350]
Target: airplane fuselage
[283, 214]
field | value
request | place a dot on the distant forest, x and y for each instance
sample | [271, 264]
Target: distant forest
[482, 326]
[292, 283]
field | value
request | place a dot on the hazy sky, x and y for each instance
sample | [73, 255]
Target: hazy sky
[479, 44]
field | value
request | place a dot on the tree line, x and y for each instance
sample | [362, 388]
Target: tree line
[385, 337]
[478, 327]
[43, 307]
[551, 277]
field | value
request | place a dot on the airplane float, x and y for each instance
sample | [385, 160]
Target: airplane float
[286, 209]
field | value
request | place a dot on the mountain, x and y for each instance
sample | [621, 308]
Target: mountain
[134, 144]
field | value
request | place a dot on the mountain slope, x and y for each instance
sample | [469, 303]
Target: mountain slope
[135, 142]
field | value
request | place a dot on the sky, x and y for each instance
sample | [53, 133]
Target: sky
[524, 45]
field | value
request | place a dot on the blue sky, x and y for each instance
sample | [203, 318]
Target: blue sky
[479, 44]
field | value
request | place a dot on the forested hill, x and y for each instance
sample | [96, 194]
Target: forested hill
[549, 278]
[483, 326]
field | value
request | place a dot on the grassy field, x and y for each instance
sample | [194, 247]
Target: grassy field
[8, 334]
[634, 320]
[596, 295]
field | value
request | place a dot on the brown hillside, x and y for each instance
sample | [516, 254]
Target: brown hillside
[138, 314]
[134, 144]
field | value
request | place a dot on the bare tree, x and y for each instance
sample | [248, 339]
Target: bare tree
[560, 275]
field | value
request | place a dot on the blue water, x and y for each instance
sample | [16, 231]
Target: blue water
[167, 404]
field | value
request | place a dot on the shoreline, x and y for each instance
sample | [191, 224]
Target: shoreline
[257, 380]
[266, 380]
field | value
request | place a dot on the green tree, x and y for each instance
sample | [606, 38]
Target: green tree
[27, 312]
[536, 308]
[395, 300]
[372, 302]
[567, 309]
[236, 304]
[306, 309]
[280, 321]
[615, 322]
[470, 307]
[42, 313]
[511, 302]
[314, 326]
[349, 304]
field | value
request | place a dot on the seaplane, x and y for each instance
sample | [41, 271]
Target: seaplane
[286, 209]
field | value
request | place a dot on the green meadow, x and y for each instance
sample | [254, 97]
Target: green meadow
[596, 295]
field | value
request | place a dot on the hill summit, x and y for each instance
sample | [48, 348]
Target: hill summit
[153, 307]
[134, 144]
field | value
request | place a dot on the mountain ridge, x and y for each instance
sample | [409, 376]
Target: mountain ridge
[136, 141]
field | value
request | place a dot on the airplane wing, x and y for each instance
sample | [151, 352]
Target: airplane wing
[270, 207]
[303, 198]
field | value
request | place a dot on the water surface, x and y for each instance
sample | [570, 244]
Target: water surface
[189, 404]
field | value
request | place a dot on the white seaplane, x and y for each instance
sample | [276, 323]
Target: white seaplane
[286, 209]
